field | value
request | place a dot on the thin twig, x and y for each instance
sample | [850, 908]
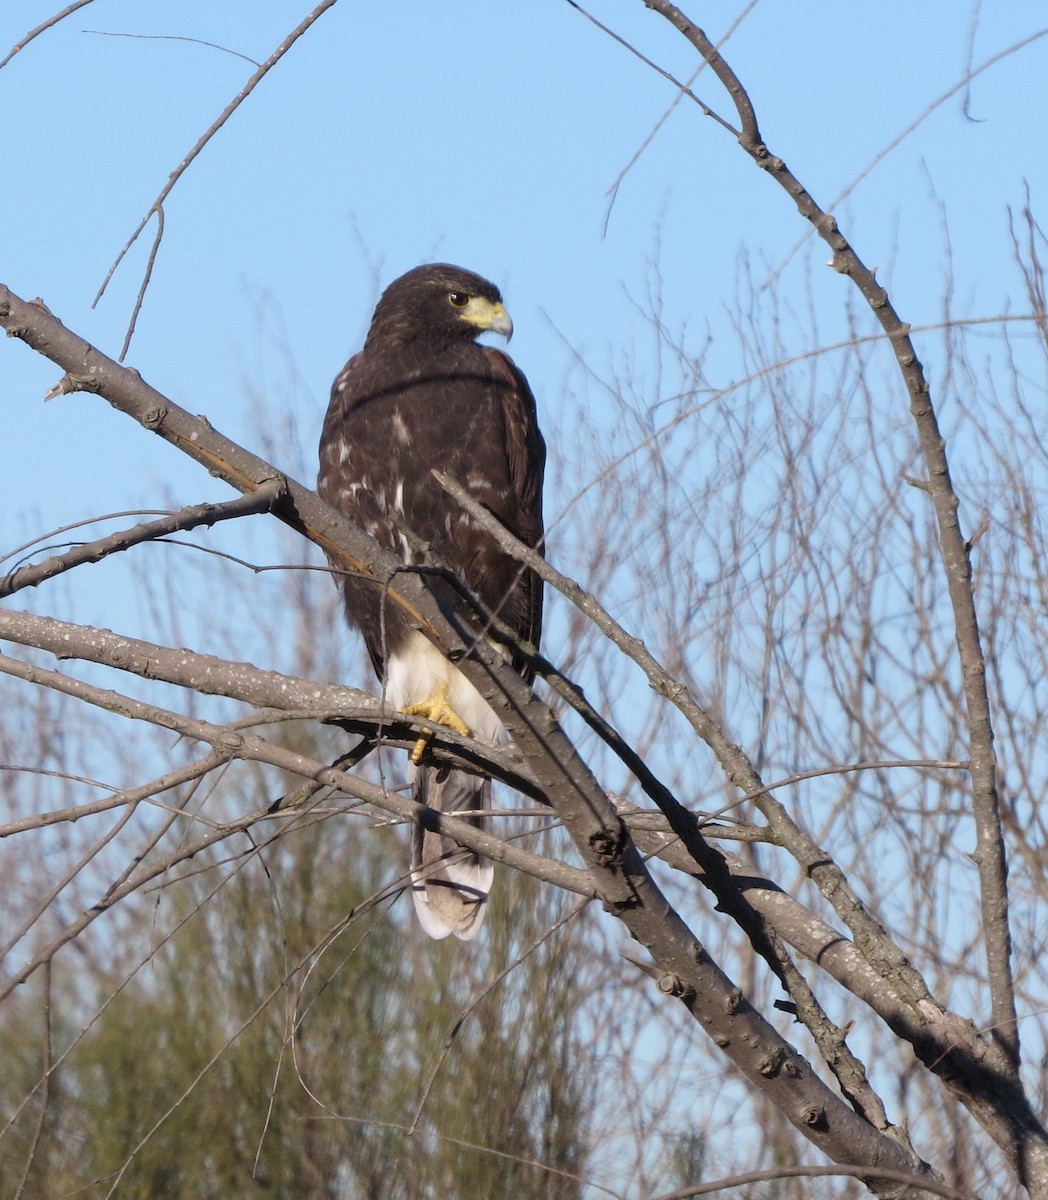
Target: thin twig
[712, 396]
[989, 855]
[45, 902]
[156, 208]
[897, 141]
[120, 798]
[147, 275]
[870, 1175]
[185, 519]
[683, 88]
[635, 157]
[50, 23]
[173, 37]
[54, 533]
[484, 992]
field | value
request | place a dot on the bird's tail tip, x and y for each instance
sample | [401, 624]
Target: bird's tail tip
[450, 884]
[444, 908]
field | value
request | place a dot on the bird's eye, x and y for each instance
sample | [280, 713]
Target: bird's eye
[458, 299]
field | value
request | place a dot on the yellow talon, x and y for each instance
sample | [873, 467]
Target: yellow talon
[435, 708]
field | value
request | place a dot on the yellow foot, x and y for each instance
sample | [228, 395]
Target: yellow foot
[435, 708]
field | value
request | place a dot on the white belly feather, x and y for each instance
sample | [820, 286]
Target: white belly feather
[418, 670]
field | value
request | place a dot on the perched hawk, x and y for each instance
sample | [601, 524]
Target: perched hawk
[422, 395]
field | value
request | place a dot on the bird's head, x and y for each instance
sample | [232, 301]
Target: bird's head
[439, 304]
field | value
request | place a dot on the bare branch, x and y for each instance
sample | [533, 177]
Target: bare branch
[635, 157]
[260, 501]
[174, 37]
[156, 208]
[931, 1187]
[1021, 1136]
[147, 275]
[43, 27]
[233, 744]
[989, 854]
[962, 85]
[683, 88]
[119, 799]
[883, 952]
[350, 709]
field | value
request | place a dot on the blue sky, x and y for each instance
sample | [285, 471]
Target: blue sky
[481, 132]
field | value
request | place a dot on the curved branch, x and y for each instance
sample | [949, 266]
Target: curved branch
[1012, 1123]
[989, 855]
[156, 208]
[192, 517]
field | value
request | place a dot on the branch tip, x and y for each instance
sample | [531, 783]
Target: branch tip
[64, 387]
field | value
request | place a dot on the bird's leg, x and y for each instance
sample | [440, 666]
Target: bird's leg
[435, 708]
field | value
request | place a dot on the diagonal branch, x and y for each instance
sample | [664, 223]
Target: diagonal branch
[43, 27]
[989, 854]
[157, 207]
[964, 1059]
[817, 863]
[260, 501]
[713, 871]
[615, 869]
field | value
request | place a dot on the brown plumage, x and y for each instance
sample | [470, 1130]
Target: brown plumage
[422, 394]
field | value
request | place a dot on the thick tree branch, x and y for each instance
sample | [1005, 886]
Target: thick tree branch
[612, 860]
[350, 709]
[203, 673]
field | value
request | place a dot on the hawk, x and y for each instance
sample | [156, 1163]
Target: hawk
[422, 394]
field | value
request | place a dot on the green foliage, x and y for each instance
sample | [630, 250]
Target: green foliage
[287, 1036]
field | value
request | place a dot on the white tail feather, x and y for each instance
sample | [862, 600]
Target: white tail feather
[449, 884]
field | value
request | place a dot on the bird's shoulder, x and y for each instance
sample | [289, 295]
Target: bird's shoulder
[349, 382]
